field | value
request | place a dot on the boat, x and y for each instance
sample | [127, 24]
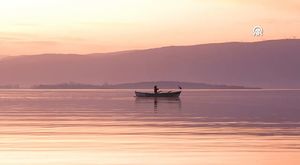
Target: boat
[159, 94]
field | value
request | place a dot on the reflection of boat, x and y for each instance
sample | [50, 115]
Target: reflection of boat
[160, 94]
[162, 103]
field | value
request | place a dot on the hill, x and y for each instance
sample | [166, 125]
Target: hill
[140, 85]
[267, 64]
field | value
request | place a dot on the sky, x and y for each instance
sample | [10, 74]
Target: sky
[90, 26]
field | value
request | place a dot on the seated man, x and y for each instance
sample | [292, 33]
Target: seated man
[156, 89]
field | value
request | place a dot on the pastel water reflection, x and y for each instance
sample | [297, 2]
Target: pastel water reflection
[93, 127]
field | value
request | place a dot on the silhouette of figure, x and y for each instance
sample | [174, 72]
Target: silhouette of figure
[156, 89]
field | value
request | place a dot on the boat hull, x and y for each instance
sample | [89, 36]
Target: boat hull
[161, 94]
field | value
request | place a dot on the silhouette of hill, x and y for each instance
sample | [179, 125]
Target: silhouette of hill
[1, 56]
[267, 64]
[139, 85]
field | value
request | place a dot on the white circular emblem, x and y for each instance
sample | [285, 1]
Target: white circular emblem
[258, 31]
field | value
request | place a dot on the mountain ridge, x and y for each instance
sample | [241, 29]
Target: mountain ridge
[267, 64]
[141, 85]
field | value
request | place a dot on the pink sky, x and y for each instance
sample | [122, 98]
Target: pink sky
[88, 26]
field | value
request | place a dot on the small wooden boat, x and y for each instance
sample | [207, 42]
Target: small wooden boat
[160, 94]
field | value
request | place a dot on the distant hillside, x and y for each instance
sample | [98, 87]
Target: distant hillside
[140, 85]
[1, 56]
[267, 64]
[9, 87]
[174, 84]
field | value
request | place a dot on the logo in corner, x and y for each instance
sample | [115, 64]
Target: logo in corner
[257, 31]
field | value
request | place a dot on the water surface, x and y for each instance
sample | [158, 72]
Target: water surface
[111, 127]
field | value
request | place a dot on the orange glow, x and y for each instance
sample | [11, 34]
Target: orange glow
[86, 26]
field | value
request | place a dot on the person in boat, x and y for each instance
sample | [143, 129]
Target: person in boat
[156, 89]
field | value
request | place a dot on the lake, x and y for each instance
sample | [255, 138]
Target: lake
[111, 127]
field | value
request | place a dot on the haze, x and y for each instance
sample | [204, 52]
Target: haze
[87, 26]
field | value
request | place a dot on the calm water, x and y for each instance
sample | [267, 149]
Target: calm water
[109, 127]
